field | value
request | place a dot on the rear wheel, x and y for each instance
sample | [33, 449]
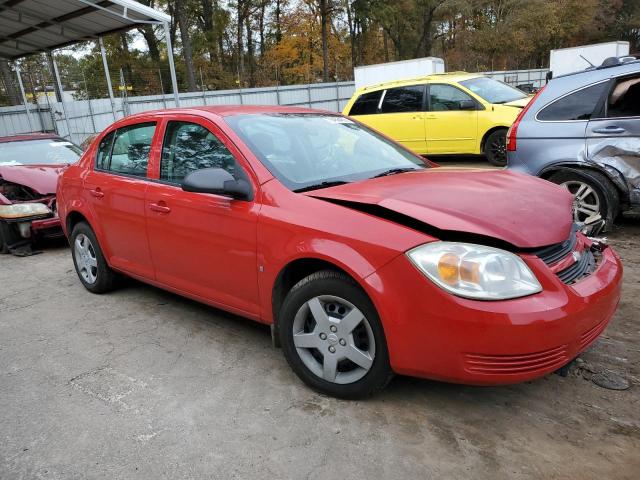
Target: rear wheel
[332, 336]
[495, 148]
[91, 267]
[593, 194]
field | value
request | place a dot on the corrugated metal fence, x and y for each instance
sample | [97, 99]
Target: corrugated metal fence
[80, 119]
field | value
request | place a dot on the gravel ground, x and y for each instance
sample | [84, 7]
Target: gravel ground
[141, 383]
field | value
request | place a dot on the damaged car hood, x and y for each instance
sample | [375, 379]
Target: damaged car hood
[521, 210]
[43, 179]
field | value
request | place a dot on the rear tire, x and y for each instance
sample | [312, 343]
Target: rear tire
[596, 193]
[88, 259]
[344, 353]
[495, 148]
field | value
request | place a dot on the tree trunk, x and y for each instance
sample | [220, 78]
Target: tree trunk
[324, 21]
[239, 41]
[208, 27]
[152, 42]
[263, 5]
[10, 82]
[186, 46]
[277, 21]
[250, 53]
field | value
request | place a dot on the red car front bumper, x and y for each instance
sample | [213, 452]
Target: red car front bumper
[434, 334]
[47, 227]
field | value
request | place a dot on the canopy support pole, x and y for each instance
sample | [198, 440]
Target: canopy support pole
[56, 76]
[105, 65]
[24, 97]
[172, 67]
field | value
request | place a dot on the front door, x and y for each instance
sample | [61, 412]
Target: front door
[115, 190]
[614, 139]
[450, 129]
[203, 245]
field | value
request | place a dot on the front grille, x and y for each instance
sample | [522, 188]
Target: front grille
[581, 268]
[585, 265]
[557, 252]
[516, 364]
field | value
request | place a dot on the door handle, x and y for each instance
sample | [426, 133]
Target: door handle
[96, 193]
[611, 129]
[159, 207]
[431, 117]
[418, 116]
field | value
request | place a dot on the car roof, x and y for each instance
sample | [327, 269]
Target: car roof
[229, 110]
[29, 136]
[432, 78]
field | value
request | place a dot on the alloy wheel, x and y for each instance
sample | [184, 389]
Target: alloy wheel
[85, 256]
[333, 339]
[586, 202]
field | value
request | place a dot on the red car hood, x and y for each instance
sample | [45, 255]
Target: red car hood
[43, 179]
[524, 211]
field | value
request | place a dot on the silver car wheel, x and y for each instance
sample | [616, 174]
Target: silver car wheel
[333, 339]
[586, 202]
[85, 256]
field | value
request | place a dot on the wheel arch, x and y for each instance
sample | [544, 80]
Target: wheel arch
[614, 176]
[296, 270]
[489, 132]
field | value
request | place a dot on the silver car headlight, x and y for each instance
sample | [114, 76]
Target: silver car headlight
[475, 271]
[20, 210]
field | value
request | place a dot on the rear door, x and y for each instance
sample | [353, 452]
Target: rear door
[613, 138]
[397, 112]
[449, 128]
[203, 245]
[115, 190]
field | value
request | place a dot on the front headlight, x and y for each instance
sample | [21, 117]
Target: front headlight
[20, 210]
[475, 271]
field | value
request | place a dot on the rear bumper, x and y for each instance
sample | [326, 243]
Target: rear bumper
[433, 334]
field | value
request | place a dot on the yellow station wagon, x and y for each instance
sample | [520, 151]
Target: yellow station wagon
[446, 113]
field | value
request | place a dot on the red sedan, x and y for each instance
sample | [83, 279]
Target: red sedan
[29, 169]
[364, 258]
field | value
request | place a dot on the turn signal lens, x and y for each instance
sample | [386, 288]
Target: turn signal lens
[475, 271]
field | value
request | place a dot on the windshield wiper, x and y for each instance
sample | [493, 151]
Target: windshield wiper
[395, 171]
[317, 186]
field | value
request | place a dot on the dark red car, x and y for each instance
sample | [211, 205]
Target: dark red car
[364, 258]
[29, 170]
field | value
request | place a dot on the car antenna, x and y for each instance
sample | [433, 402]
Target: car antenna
[582, 57]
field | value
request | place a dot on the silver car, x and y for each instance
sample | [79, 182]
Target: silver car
[582, 131]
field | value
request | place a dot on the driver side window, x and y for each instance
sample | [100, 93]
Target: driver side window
[188, 147]
[443, 98]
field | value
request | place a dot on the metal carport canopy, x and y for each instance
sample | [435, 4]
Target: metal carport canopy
[32, 26]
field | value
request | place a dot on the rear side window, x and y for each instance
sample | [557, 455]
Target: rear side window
[126, 150]
[188, 147]
[403, 99]
[624, 100]
[104, 152]
[366, 104]
[575, 106]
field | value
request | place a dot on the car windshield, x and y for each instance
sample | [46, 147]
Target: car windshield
[493, 91]
[50, 151]
[307, 151]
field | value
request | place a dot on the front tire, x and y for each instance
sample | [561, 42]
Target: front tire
[495, 148]
[332, 337]
[88, 259]
[593, 193]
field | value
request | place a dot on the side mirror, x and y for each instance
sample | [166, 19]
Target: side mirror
[217, 181]
[467, 105]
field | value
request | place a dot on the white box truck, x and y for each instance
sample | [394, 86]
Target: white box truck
[386, 72]
[574, 59]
